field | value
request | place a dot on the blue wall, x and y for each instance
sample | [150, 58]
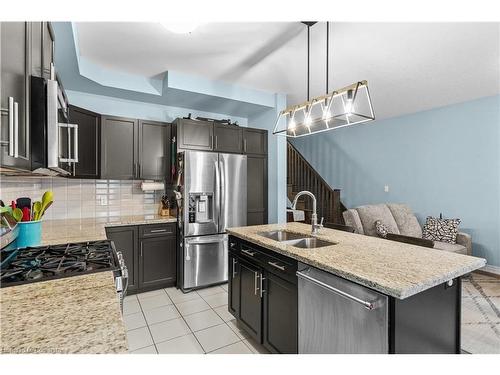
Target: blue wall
[443, 160]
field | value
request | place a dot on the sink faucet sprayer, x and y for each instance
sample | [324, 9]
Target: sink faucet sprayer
[314, 218]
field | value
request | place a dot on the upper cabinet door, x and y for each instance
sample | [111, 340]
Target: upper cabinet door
[154, 150]
[14, 85]
[118, 148]
[195, 135]
[89, 140]
[255, 141]
[228, 138]
[47, 49]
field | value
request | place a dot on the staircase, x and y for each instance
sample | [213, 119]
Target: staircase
[302, 176]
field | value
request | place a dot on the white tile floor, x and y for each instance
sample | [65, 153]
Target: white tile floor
[169, 321]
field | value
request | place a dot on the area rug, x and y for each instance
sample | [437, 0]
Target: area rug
[480, 314]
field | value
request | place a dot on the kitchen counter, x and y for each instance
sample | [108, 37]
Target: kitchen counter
[92, 229]
[396, 269]
[78, 314]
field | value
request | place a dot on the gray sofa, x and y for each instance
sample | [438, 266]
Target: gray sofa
[399, 219]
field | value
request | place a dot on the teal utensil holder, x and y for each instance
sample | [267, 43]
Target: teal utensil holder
[30, 233]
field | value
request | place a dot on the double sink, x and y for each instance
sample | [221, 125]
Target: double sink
[302, 241]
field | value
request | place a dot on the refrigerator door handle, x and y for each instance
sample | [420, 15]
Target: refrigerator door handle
[217, 194]
[222, 220]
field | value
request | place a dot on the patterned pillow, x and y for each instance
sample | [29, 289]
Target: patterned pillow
[381, 229]
[444, 230]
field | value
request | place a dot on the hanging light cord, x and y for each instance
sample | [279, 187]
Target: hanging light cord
[308, 58]
[327, 51]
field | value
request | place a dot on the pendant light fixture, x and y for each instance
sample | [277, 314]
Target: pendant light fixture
[343, 107]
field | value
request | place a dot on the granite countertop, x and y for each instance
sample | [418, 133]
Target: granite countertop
[397, 269]
[92, 229]
[78, 314]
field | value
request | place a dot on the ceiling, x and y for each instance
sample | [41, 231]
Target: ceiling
[410, 67]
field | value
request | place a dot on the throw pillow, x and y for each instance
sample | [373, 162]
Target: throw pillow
[381, 229]
[444, 230]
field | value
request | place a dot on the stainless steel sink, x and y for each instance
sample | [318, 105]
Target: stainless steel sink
[302, 241]
[310, 243]
[283, 235]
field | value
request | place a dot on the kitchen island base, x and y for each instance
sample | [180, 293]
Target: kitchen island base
[329, 314]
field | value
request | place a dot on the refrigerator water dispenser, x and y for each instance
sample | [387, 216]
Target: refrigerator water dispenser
[201, 207]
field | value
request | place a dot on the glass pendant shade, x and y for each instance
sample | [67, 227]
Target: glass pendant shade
[348, 106]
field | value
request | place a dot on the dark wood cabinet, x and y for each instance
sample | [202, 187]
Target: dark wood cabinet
[126, 240]
[119, 154]
[280, 315]
[154, 150]
[157, 262]
[256, 190]
[254, 141]
[89, 142]
[262, 295]
[228, 138]
[250, 314]
[14, 83]
[194, 134]
[149, 252]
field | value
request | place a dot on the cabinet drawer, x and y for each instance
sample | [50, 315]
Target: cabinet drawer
[155, 230]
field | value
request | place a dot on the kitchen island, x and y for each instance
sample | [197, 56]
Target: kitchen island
[378, 296]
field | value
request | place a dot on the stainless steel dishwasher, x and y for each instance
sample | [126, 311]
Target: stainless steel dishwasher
[339, 316]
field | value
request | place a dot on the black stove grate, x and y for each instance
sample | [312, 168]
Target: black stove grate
[47, 262]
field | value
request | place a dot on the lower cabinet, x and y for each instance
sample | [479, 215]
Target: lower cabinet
[280, 315]
[149, 252]
[250, 299]
[157, 257]
[262, 296]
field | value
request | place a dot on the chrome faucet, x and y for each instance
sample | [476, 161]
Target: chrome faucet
[314, 218]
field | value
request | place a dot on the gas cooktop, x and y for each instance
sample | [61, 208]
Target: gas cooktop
[43, 263]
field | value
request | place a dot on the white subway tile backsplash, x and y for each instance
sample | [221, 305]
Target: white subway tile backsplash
[82, 198]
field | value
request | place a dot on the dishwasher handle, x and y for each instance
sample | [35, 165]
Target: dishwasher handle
[366, 304]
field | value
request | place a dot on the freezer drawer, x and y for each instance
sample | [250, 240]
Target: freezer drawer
[205, 260]
[337, 316]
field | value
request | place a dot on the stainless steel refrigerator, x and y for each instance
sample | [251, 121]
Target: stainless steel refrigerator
[214, 197]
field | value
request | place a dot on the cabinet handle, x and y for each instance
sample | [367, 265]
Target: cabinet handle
[276, 265]
[141, 250]
[262, 291]
[244, 145]
[216, 142]
[234, 268]
[212, 141]
[138, 170]
[157, 230]
[133, 170]
[249, 253]
[256, 288]
[16, 129]
[9, 111]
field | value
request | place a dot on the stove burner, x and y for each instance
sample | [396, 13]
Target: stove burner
[46, 262]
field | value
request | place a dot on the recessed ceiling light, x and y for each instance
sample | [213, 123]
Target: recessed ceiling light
[181, 27]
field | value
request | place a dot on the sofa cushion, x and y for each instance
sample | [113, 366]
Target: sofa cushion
[406, 220]
[370, 213]
[351, 218]
[452, 247]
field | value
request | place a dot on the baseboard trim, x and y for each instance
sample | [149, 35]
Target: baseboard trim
[490, 270]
